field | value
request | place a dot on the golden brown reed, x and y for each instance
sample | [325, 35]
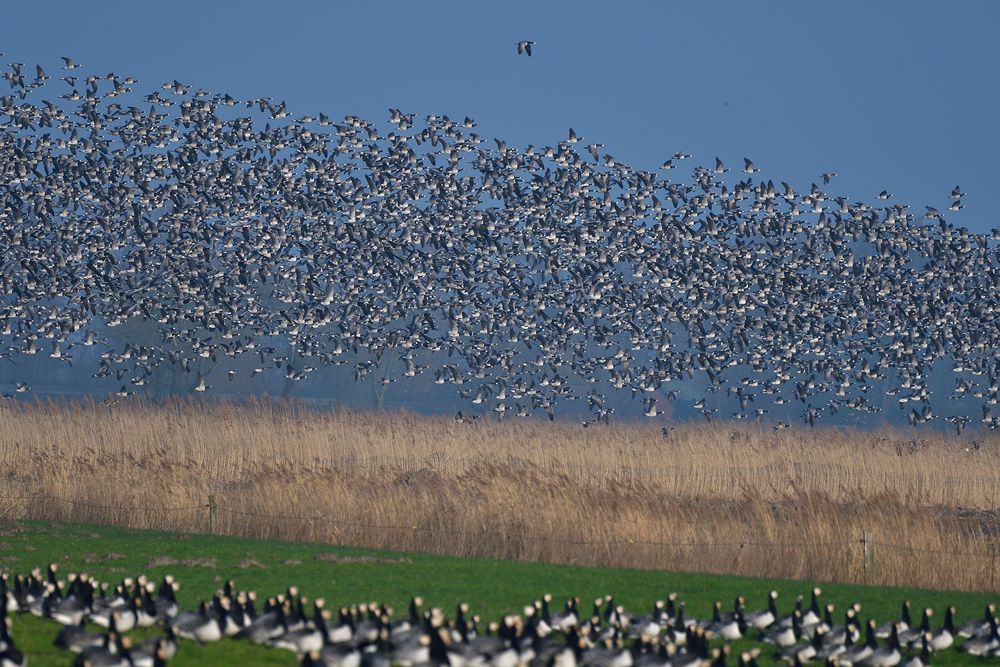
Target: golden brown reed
[720, 498]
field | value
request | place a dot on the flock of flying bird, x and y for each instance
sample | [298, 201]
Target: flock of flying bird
[527, 278]
[96, 617]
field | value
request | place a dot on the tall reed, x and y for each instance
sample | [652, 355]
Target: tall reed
[722, 498]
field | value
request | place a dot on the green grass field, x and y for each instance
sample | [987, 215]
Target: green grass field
[346, 575]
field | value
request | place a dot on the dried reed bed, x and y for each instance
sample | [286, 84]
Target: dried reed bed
[713, 498]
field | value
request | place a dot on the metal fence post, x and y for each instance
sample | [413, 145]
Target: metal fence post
[868, 553]
[213, 516]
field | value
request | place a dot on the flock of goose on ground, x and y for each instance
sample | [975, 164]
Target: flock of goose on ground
[525, 277]
[96, 617]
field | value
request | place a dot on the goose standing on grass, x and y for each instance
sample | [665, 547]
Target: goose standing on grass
[832, 647]
[73, 608]
[676, 633]
[40, 601]
[730, 627]
[10, 656]
[849, 632]
[108, 654]
[786, 620]
[199, 625]
[858, 653]
[652, 624]
[886, 656]
[77, 638]
[568, 618]
[671, 609]
[761, 619]
[343, 631]
[241, 612]
[268, 625]
[915, 636]
[977, 626]
[409, 651]
[812, 615]
[224, 609]
[944, 638]
[800, 654]
[924, 659]
[142, 657]
[164, 646]
[309, 638]
[145, 609]
[783, 637]
[823, 626]
[984, 643]
[105, 606]
[124, 619]
[883, 631]
[166, 599]
[338, 655]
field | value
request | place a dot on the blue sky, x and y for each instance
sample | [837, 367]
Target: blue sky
[898, 95]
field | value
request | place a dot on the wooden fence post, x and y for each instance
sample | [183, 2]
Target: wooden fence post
[868, 553]
[213, 516]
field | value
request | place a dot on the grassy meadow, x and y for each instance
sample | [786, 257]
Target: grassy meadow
[710, 498]
[344, 576]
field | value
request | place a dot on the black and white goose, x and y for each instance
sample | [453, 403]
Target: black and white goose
[801, 654]
[812, 615]
[269, 624]
[786, 620]
[77, 638]
[847, 633]
[783, 637]
[336, 655]
[924, 658]
[121, 601]
[142, 656]
[914, 636]
[145, 611]
[730, 627]
[166, 599]
[568, 618]
[883, 631]
[10, 656]
[984, 643]
[762, 619]
[165, 646]
[310, 637]
[78, 602]
[241, 612]
[651, 624]
[823, 626]
[886, 656]
[858, 653]
[199, 625]
[944, 637]
[413, 650]
[343, 631]
[125, 618]
[676, 633]
[108, 654]
[977, 626]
